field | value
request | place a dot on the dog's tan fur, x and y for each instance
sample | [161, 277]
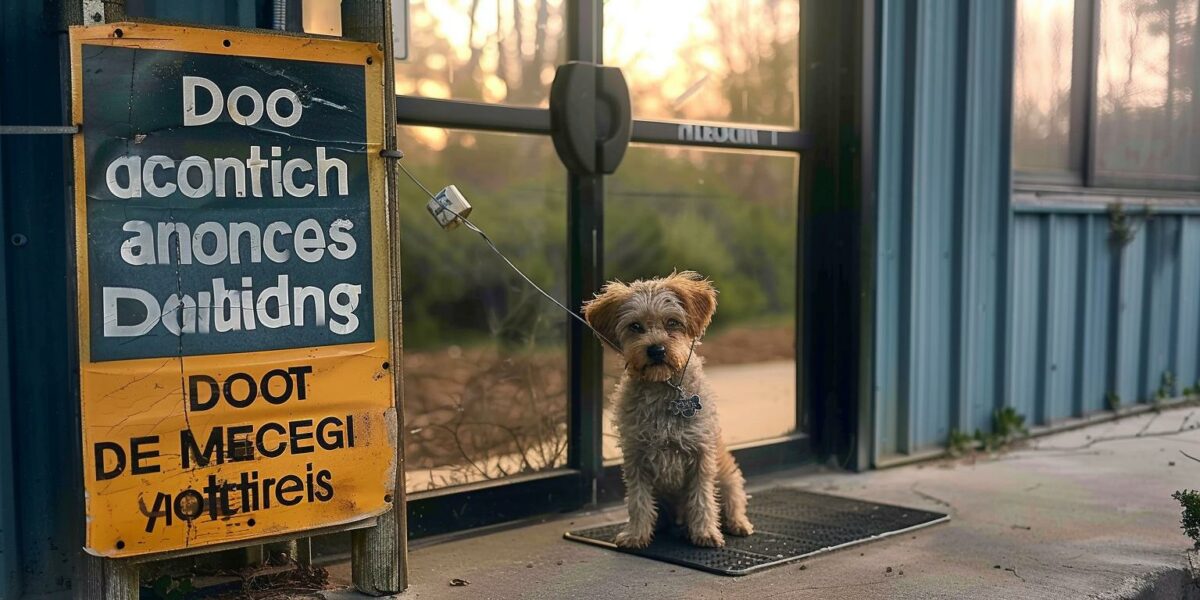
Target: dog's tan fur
[677, 461]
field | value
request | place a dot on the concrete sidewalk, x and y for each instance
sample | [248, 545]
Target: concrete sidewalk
[1081, 514]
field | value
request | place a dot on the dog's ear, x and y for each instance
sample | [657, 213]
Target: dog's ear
[699, 299]
[603, 311]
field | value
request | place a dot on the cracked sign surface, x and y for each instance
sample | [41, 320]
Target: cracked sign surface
[232, 254]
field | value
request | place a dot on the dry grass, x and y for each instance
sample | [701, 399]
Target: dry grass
[478, 414]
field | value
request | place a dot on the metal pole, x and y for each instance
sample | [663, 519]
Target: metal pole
[379, 555]
[585, 231]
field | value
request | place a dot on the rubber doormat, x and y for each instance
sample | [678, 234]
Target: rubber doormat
[789, 524]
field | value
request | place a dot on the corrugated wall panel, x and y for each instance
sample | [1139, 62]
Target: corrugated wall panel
[984, 213]
[9, 558]
[943, 233]
[935, 170]
[1057, 398]
[1125, 364]
[1026, 317]
[1095, 305]
[45, 444]
[1160, 304]
[1187, 359]
[892, 191]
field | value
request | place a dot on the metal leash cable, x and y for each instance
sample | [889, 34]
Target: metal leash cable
[683, 406]
[683, 373]
[492, 245]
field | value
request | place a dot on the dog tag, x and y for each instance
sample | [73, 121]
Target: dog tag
[686, 407]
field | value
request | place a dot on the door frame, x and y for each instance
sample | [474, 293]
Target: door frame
[838, 406]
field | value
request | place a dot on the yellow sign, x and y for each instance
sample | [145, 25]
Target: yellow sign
[233, 263]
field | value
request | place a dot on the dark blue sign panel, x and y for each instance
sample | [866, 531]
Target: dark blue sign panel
[228, 204]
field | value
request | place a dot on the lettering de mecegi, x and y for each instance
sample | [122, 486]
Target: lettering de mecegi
[262, 173]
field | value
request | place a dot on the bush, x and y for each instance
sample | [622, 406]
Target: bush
[1190, 520]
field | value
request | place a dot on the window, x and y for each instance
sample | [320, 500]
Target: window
[495, 52]
[1042, 86]
[1104, 93]
[720, 213]
[484, 355]
[504, 410]
[713, 61]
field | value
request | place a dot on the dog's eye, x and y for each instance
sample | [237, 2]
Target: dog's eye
[636, 327]
[674, 324]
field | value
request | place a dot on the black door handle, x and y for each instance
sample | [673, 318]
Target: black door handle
[589, 142]
[612, 89]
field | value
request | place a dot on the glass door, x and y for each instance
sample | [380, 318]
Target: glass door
[505, 394]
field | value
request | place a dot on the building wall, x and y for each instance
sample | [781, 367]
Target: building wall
[986, 298]
[42, 454]
[943, 219]
[1093, 317]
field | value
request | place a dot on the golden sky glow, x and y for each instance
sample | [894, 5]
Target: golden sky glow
[682, 59]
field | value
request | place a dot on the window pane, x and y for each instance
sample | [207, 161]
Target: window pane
[499, 52]
[484, 354]
[1042, 85]
[731, 216]
[716, 60]
[1147, 113]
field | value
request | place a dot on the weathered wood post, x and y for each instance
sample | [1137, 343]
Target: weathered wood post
[379, 555]
[109, 579]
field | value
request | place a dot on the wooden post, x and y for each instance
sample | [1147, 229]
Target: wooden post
[379, 555]
[108, 579]
[103, 578]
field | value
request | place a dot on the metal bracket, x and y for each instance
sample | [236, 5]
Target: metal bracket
[39, 129]
[93, 12]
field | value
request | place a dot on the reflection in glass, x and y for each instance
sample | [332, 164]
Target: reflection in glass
[718, 60]
[484, 354]
[1042, 85]
[732, 216]
[499, 52]
[1147, 112]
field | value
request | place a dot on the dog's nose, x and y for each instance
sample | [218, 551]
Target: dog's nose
[657, 353]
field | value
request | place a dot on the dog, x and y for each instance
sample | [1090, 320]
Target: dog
[664, 412]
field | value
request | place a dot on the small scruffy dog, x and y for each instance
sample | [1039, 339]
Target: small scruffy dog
[664, 410]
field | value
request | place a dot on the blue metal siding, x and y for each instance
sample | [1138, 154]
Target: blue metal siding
[942, 258]
[1125, 366]
[931, 231]
[1027, 326]
[1060, 305]
[1160, 305]
[45, 437]
[893, 194]
[981, 222]
[1187, 359]
[1095, 307]
[983, 302]
[969, 287]
[1087, 316]
[8, 534]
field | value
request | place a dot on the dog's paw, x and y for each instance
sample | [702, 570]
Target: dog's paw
[739, 527]
[628, 539]
[708, 539]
